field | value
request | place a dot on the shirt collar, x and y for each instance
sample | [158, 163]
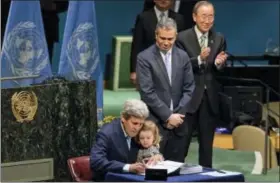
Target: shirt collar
[199, 33]
[164, 54]
[124, 132]
[158, 12]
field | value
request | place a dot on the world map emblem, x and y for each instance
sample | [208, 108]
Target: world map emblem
[82, 52]
[25, 48]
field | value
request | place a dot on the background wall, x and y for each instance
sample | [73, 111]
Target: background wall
[246, 24]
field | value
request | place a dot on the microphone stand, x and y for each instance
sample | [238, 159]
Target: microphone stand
[267, 91]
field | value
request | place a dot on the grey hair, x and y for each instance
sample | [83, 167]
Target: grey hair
[166, 23]
[201, 3]
[135, 108]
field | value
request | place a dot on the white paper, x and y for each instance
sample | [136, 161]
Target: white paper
[170, 166]
[220, 174]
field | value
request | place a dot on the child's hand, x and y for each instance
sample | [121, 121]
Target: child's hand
[155, 159]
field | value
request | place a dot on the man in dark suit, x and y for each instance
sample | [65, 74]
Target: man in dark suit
[144, 31]
[206, 49]
[115, 149]
[183, 7]
[166, 83]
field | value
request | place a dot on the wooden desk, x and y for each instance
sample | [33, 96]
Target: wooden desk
[225, 141]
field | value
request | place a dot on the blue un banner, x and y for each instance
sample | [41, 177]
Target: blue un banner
[79, 59]
[25, 51]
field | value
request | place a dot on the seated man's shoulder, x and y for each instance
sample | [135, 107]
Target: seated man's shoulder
[108, 128]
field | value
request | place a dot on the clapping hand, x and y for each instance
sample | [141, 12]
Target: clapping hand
[221, 58]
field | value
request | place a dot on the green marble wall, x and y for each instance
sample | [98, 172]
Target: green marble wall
[64, 125]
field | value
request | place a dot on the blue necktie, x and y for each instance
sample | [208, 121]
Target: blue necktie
[167, 63]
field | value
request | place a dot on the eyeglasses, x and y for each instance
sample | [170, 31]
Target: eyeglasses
[206, 17]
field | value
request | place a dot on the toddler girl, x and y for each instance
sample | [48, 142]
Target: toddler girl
[149, 139]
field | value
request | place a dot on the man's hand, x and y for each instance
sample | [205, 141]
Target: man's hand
[221, 58]
[205, 52]
[133, 78]
[137, 168]
[175, 120]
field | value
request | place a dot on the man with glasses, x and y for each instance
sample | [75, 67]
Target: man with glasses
[206, 48]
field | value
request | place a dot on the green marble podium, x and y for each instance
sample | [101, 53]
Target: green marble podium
[64, 125]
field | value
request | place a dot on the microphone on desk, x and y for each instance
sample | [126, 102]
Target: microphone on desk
[235, 58]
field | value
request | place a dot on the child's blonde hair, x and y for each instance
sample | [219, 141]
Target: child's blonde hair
[150, 126]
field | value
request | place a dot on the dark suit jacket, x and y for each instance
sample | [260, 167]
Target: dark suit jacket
[154, 85]
[188, 41]
[185, 9]
[144, 32]
[110, 151]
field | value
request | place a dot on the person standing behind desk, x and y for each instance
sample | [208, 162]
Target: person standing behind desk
[115, 149]
[166, 83]
[144, 30]
[207, 51]
[183, 7]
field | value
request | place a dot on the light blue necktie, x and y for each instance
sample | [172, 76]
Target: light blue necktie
[168, 66]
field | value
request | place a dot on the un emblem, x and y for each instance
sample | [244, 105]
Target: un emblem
[25, 49]
[82, 52]
[24, 106]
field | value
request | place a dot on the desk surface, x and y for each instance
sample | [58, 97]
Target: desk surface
[208, 175]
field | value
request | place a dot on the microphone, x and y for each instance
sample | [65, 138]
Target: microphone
[235, 58]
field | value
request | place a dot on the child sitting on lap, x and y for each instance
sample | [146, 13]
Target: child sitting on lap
[149, 139]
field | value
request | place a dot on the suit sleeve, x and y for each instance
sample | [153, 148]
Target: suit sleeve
[98, 156]
[188, 87]
[148, 94]
[137, 42]
[223, 47]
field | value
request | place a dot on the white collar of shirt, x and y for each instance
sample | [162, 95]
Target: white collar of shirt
[199, 33]
[125, 134]
[158, 12]
[164, 54]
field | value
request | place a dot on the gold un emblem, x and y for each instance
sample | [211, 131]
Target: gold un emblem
[24, 106]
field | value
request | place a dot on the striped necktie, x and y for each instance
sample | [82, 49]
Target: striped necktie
[202, 41]
[161, 16]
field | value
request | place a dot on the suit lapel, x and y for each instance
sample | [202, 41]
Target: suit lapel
[174, 64]
[153, 19]
[211, 45]
[161, 65]
[122, 142]
[172, 15]
[194, 40]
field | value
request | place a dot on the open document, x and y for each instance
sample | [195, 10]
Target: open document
[172, 166]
